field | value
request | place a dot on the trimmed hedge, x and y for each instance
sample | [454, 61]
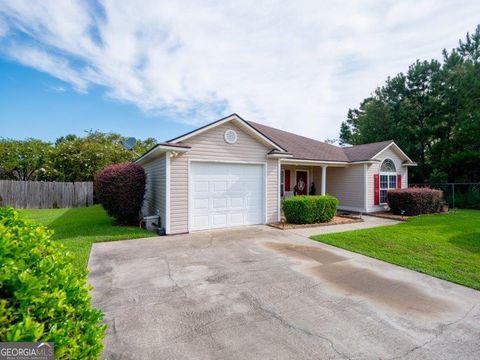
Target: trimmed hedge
[306, 209]
[43, 297]
[120, 188]
[415, 201]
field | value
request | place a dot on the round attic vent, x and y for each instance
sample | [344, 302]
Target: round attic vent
[230, 136]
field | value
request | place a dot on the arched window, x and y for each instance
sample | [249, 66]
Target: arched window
[388, 166]
[388, 179]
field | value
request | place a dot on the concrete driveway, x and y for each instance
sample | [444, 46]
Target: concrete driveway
[263, 293]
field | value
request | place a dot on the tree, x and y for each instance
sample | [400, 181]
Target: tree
[23, 160]
[432, 112]
[80, 158]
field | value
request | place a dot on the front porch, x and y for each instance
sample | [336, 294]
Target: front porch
[304, 178]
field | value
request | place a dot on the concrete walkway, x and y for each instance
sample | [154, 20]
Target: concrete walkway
[369, 222]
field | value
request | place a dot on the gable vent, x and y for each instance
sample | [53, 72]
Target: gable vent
[230, 136]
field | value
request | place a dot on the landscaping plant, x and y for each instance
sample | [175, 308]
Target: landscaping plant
[120, 188]
[43, 296]
[306, 209]
[414, 201]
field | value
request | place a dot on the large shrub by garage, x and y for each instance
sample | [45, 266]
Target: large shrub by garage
[43, 297]
[120, 188]
[414, 201]
[306, 209]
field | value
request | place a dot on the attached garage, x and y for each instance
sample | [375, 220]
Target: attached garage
[225, 194]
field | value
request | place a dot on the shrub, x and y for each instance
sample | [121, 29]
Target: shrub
[310, 209]
[414, 201]
[43, 297]
[120, 188]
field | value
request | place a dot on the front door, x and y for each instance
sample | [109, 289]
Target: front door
[301, 183]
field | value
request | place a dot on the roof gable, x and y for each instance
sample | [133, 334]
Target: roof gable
[241, 123]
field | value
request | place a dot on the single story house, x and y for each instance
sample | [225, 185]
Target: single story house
[235, 172]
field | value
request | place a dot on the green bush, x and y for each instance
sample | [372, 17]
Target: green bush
[306, 209]
[43, 297]
[414, 201]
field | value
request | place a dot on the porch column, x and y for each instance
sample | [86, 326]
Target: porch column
[324, 180]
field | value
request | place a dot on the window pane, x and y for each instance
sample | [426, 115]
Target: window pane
[383, 181]
[388, 166]
[393, 181]
[383, 196]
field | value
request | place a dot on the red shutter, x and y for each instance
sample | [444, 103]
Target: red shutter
[376, 189]
[399, 181]
[287, 180]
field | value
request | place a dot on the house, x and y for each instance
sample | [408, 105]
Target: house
[235, 172]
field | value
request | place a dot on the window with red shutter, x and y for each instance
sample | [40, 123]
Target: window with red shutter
[376, 189]
[399, 181]
[287, 180]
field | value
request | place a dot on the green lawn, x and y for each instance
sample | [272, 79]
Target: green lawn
[78, 228]
[446, 246]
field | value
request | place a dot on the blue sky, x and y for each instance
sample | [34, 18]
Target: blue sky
[35, 104]
[160, 68]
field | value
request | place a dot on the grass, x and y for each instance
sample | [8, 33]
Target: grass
[445, 245]
[78, 228]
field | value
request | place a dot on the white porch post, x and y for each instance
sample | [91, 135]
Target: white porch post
[324, 180]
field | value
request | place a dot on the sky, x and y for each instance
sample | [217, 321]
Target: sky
[161, 68]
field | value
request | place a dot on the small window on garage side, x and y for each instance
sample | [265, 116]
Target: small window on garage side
[388, 179]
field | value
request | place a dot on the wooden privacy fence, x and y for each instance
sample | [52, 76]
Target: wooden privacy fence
[44, 195]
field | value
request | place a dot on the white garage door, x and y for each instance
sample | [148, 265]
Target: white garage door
[223, 195]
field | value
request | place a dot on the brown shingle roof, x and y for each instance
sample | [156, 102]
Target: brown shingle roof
[365, 151]
[302, 147]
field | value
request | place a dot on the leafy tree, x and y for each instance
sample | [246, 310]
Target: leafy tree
[70, 158]
[79, 158]
[432, 111]
[23, 160]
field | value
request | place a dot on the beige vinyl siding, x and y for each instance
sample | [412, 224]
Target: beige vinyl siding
[348, 185]
[375, 169]
[272, 190]
[155, 199]
[210, 145]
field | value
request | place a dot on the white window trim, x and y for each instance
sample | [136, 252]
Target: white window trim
[388, 174]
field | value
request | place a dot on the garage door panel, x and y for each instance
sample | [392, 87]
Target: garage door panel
[225, 195]
[200, 204]
[220, 203]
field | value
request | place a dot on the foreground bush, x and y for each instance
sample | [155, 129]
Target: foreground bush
[43, 297]
[414, 201]
[120, 189]
[310, 209]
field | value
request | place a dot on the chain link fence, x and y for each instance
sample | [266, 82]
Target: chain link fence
[458, 195]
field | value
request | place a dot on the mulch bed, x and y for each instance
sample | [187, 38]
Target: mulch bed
[389, 215]
[337, 220]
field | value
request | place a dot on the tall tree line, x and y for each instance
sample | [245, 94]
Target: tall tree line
[70, 158]
[432, 112]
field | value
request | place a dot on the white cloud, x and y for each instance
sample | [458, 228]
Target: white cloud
[3, 28]
[297, 65]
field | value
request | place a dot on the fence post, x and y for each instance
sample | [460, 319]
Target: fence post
[453, 195]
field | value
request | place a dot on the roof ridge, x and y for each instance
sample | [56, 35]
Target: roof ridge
[253, 123]
[371, 143]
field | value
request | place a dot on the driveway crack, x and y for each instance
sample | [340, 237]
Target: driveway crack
[436, 336]
[174, 282]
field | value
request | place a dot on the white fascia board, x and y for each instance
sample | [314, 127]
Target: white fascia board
[279, 156]
[159, 150]
[313, 162]
[396, 147]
